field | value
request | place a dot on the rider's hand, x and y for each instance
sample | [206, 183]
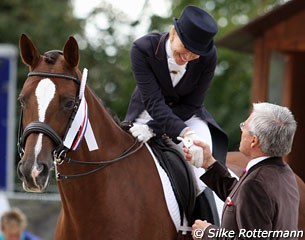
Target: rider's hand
[142, 132]
[196, 152]
[197, 156]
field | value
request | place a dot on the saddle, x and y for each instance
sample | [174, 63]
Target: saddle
[182, 180]
[179, 174]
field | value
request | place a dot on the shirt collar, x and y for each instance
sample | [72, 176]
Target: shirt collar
[255, 161]
[168, 49]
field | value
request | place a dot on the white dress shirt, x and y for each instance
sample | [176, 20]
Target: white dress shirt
[255, 161]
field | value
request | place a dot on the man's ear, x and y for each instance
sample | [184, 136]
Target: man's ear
[255, 141]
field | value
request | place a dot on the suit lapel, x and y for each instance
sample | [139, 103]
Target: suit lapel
[160, 66]
[268, 161]
[240, 181]
[237, 185]
[189, 74]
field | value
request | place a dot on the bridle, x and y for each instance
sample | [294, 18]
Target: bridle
[41, 127]
[60, 151]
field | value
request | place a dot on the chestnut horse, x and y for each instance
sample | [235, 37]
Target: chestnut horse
[121, 196]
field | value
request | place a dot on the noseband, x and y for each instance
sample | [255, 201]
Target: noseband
[60, 151]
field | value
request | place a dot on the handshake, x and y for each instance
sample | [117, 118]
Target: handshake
[196, 152]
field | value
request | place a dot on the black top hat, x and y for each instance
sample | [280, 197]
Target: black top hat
[196, 29]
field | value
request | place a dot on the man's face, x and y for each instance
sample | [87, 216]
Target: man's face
[246, 138]
[12, 231]
[180, 53]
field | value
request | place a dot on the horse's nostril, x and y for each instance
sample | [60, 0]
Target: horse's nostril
[44, 169]
[19, 172]
[36, 171]
[41, 169]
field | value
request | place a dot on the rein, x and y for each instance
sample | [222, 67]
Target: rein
[60, 151]
[101, 164]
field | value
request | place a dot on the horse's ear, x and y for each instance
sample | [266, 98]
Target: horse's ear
[28, 52]
[71, 52]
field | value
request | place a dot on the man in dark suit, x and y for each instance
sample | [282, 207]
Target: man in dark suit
[173, 72]
[264, 202]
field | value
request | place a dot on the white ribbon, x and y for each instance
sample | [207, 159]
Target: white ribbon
[83, 83]
[81, 126]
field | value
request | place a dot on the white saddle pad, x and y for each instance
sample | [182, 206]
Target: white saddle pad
[169, 195]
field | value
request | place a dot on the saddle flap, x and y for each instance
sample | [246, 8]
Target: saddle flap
[179, 173]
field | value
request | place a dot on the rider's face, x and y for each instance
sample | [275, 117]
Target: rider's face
[180, 53]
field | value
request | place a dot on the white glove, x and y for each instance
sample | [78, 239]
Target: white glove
[195, 151]
[142, 132]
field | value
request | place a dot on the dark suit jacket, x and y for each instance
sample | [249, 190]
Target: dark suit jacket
[170, 106]
[265, 198]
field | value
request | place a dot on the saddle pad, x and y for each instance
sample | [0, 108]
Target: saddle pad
[169, 195]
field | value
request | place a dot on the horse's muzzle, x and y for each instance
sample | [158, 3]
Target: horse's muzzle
[35, 177]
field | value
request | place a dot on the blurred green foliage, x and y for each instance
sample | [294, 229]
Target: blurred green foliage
[106, 53]
[47, 23]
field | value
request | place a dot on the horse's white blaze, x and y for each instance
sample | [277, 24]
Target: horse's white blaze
[45, 92]
[38, 145]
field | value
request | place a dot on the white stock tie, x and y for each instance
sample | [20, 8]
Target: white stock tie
[176, 71]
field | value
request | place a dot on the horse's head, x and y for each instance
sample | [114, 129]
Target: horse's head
[47, 101]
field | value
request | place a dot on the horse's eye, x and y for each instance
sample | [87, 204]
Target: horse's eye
[69, 104]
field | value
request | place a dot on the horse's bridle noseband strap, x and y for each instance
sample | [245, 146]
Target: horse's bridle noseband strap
[40, 127]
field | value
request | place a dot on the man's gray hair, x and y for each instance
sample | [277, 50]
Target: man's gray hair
[275, 128]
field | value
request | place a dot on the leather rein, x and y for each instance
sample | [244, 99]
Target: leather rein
[60, 151]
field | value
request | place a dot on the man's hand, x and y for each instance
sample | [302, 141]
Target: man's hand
[198, 229]
[207, 158]
[142, 132]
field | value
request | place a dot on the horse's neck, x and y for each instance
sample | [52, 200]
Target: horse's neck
[111, 139]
